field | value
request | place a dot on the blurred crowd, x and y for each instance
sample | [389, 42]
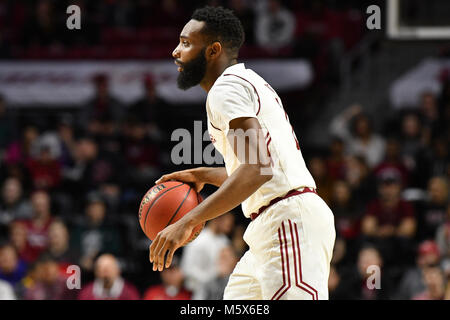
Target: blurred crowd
[389, 192]
[70, 194]
[38, 27]
[320, 30]
[71, 184]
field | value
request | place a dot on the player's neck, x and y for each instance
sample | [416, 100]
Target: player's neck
[214, 72]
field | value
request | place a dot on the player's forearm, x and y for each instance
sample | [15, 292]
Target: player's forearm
[234, 190]
[215, 176]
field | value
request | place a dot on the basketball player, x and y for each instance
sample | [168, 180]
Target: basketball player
[291, 235]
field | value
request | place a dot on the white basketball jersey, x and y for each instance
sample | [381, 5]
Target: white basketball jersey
[240, 92]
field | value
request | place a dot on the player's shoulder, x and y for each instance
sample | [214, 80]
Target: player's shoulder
[234, 77]
[228, 85]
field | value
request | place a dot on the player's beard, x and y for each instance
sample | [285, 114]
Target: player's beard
[193, 72]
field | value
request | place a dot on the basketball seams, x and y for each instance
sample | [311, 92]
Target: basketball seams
[154, 201]
[179, 207]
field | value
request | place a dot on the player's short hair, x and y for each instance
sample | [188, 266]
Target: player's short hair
[221, 25]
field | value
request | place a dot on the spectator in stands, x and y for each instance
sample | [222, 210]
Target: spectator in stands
[78, 177]
[443, 242]
[37, 227]
[355, 129]
[336, 159]
[444, 106]
[389, 220]
[105, 172]
[95, 170]
[58, 246]
[12, 268]
[412, 283]
[246, 15]
[94, 233]
[432, 212]
[121, 14]
[150, 109]
[50, 285]
[347, 212]
[435, 284]
[7, 124]
[341, 257]
[107, 135]
[170, 14]
[67, 144]
[102, 106]
[318, 168]
[19, 240]
[32, 277]
[172, 287]
[226, 263]
[199, 259]
[360, 178]
[43, 27]
[335, 288]
[360, 282]
[393, 160]
[412, 140]
[45, 170]
[12, 203]
[108, 283]
[275, 25]
[6, 291]
[141, 154]
[429, 113]
[19, 151]
[438, 162]
[107, 176]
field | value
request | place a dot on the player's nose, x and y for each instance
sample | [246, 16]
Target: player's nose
[176, 52]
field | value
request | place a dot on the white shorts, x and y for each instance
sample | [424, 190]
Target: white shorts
[290, 249]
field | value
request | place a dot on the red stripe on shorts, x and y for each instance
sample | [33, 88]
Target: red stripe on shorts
[298, 271]
[299, 283]
[284, 287]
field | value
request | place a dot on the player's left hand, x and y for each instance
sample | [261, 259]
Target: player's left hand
[168, 241]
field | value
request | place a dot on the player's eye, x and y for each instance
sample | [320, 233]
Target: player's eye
[185, 43]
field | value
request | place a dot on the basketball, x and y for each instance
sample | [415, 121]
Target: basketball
[166, 203]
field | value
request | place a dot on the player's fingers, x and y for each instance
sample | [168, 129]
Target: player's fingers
[157, 257]
[153, 247]
[159, 262]
[170, 257]
[199, 187]
[150, 251]
[167, 177]
[162, 179]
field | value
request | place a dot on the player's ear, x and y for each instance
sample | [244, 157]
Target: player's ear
[214, 50]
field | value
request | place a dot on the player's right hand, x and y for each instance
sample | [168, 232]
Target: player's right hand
[189, 176]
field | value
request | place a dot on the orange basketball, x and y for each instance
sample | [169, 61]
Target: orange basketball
[166, 203]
